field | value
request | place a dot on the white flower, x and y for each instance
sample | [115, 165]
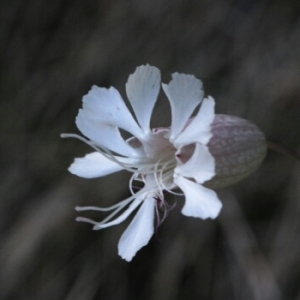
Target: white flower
[163, 159]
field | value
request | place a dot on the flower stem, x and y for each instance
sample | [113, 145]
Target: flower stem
[283, 150]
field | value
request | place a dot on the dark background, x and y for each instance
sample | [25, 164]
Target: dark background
[246, 52]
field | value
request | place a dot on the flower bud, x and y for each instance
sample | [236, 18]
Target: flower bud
[238, 147]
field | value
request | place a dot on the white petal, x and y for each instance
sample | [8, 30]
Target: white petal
[104, 135]
[96, 165]
[142, 89]
[199, 130]
[124, 215]
[139, 232]
[185, 92]
[201, 166]
[108, 107]
[200, 202]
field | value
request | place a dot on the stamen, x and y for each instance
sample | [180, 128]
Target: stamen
[121, 217]
[169, 175]
[135, 177]
[159, 185]
[112, 215]
[103, 150]
[83, 208]
[132, 178]
[117, 208]
[157, 217]
[164, 207]
[81, 219]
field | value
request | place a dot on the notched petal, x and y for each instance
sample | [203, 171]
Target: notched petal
[200, 202]
[106, 106]
[103, 135]
[139, 232]
[184, 92]
[199, 128]
[93, 165]
[142, 89]
[201, 166]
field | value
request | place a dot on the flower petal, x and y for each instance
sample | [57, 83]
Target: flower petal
[200, 202]
[201, 166]
[96, 165]
[185, 92]
[199, 130]
[139, 232]
[142, 89]
[103, 135]
[108, 107]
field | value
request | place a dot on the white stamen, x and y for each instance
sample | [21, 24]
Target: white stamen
[104, 151]
[81, 219]
[83, 208]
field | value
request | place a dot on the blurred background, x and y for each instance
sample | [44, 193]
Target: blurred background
[246, 52]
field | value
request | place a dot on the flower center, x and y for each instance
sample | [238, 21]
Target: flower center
[156, 165]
